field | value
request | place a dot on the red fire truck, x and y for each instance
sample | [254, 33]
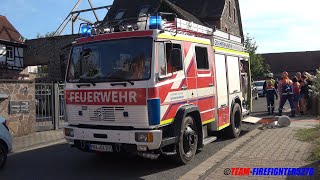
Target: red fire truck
[161, 86]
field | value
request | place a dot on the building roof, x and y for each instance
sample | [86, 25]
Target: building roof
[8, 32]
[293, 61]
[153, 7]
[202, 8]
[182, 13]
[132, 8]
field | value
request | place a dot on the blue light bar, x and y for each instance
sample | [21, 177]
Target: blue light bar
[155, 22]
[86, 31]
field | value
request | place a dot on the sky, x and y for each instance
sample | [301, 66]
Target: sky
[31, 17]
[282, 25]
[276, 25]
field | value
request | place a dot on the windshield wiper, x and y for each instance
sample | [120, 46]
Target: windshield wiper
[88, 83]
[80, 85]
[121, 79]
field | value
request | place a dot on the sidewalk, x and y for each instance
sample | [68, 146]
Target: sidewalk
[260, 148]
[37, 140]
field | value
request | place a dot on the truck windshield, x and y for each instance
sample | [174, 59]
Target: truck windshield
[109, 61]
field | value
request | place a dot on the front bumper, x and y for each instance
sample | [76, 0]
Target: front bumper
[260, 92]
[113, 137]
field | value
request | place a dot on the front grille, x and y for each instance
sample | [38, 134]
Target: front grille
[104, 113]
[103, 127]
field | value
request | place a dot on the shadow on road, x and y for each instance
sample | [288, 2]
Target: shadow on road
[61, 162]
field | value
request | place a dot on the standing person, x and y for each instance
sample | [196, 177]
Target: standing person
[304, 94]
[270, 89]
[286, 93]
[296, 93]
[298, 75]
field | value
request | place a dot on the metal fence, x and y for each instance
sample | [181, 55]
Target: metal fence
[49, 106]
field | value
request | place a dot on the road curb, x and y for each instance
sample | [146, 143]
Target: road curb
[218, 157]
[37, 146]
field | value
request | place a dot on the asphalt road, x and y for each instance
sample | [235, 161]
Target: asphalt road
[61, 162]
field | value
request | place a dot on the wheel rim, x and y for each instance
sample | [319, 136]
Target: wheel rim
[189, 140]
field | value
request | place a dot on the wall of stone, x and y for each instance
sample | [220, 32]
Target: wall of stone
[14, 74]
[51, 51]
[228, 22]
[22, 123]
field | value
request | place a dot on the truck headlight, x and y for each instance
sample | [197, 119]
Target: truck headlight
[144, 137]
[68, 132]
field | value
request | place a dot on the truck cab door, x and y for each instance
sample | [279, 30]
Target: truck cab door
[222, 91]
[172, 85]
[205, 86]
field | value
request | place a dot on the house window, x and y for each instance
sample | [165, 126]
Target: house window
[10, 53]
[120, 14]
[144, 10]
[229, 9]
[202, 58]
[234, 15]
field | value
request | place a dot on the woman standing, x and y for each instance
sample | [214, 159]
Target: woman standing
[296, 93]
[304, 94]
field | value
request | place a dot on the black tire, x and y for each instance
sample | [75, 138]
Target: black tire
[234, 130]
[188, 141]
[3, 155]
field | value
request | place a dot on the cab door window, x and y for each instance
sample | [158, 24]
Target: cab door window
[174, 57]
[162, 60]
[170, 58]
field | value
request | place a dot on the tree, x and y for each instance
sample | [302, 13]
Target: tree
[258, 67]
[316, 84]
[48, 34]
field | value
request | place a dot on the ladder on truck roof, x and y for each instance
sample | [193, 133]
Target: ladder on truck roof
[217, 37]
[168, 22]
[181, 26]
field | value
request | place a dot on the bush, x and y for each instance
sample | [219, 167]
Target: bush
[313, 136]
[316, 84]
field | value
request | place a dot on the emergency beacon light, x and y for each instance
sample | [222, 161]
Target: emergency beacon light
[155, 22]
[86, 30]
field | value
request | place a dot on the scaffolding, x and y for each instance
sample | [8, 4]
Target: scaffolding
[73, 17]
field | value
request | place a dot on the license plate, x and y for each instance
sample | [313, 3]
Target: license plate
[101, 148]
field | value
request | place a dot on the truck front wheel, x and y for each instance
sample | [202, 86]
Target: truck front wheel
[188, 141]
[3, 155]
